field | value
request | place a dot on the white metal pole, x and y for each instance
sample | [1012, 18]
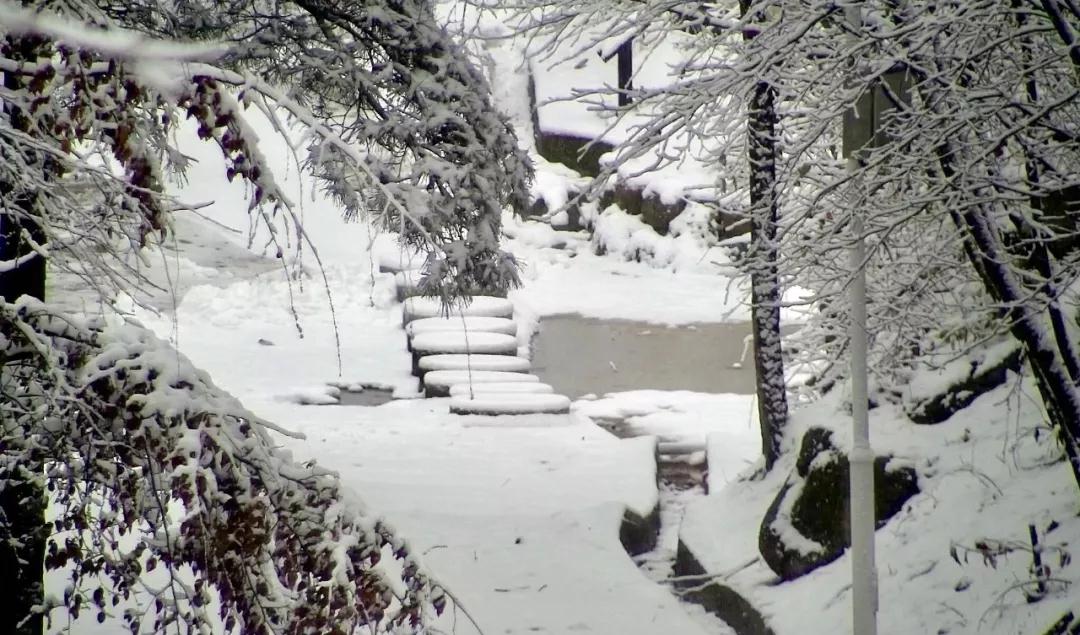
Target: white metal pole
[864, 595]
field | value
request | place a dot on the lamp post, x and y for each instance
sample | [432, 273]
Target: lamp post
[858, 135]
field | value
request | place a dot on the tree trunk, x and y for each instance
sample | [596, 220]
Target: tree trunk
[988, 257]
[764, 277]
[22, 498]
[764, 252]
[22, 553]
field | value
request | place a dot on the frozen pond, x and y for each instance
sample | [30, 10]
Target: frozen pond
[579, 355]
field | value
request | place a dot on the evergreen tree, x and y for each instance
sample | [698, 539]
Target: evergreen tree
[120, 431]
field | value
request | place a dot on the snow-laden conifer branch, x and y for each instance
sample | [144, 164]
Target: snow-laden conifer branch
[138, 442]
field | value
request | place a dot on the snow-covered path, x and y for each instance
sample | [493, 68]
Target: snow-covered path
[519, 516]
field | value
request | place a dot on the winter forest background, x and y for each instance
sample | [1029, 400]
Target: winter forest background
[215, 216]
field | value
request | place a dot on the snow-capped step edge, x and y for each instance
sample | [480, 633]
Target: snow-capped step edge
[481, 305]
[437, 383]
[460, 361]
[721, 599]
[465, 342]
[510, 404]
[500, 388]
[469, 324]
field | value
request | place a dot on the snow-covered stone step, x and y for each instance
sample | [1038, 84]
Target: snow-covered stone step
[461, 342]
[437, 383]
[457, 323]
[480, 305]
[500, 388]
[510, 404]
[461, 361]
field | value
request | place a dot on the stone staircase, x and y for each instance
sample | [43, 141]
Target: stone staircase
[470, 355]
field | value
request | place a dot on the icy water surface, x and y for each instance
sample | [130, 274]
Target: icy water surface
[366, 397]
[579, 355]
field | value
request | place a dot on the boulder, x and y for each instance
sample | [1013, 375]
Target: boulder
[982, 377]
[807, 524]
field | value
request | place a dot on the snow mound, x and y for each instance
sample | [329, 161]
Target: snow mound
[510, 404]
[437, 383]
[481, 305]
[459, 323]
[459, 361]
[461, 342]
[499, 388]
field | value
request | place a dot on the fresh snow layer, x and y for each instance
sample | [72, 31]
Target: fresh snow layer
[481, 305]
[470, 323]
[509, 404]
[458, 361]
[983, 476]
[499, 388]
[464, 342]
[683, 419]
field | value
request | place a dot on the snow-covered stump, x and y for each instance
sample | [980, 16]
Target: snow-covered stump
[459, 342]
[495, 404]
[461, 361]
[437, 383]
[467, 324]
[501, 388]
[417, 308]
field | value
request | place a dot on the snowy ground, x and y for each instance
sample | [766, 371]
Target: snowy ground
[519, 516]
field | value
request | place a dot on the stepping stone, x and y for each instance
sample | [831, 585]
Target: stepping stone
[510, 404]
[500, 388]
[437, 383]
[459, 361]
[470, 324]
[480, 305]
[461, 342]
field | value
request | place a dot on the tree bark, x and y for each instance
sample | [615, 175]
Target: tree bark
[22, 498]
[764, 252]
[988, 257]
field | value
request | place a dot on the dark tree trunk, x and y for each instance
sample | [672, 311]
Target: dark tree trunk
[22, 498]
[22, 553]
[1034, 239]
[988, 257]
[762, 121]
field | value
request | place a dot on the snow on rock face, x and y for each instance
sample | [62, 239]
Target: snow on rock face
[463, 342]
[510, 404]
[481, 305]
[459, 361]
[806, 526]
[437, 383]
[461, 323]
